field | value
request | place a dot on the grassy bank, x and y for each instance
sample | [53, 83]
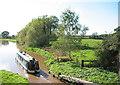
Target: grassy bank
[9, 77]
[11, 40]
[93, 74]
[70, 68]
[86, 49]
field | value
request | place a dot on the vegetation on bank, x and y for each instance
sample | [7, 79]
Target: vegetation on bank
[109, 52]
[93, 74]
[11, 40]
[9, 77]
[70, 68]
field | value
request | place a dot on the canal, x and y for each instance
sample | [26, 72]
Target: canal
[8, 52]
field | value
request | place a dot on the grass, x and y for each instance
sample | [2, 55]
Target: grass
[70, 68]
[9, 77]
[87, 50]
[11, 40]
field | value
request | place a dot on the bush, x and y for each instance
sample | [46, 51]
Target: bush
[108, 53]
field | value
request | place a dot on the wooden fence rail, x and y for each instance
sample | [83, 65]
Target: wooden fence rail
[82, 64]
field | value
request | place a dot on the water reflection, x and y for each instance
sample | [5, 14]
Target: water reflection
[7, 56]
[2, 42]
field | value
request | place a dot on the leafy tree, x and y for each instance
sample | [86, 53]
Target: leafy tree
[36, 36]
[5, 34]
[38, 31]
[13, 36]
[22, 36]
[117, 30]
[109, 52]
[67, 31]
[50, 25]
[53, 22]
[95, 35]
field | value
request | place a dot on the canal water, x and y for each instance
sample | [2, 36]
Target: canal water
[8, 52]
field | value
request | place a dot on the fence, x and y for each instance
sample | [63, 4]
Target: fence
[82, 64]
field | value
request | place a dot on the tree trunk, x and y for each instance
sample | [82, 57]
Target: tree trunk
[118, 65]
[69, 51]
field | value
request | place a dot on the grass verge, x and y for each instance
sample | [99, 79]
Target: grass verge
[11, 40]
[12, 78]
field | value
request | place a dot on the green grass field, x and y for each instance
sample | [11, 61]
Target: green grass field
[11, 40]
[87, 49]
[9, 77]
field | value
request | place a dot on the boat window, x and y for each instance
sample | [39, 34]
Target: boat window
[31, 65]
[33, 59]
[27, 64]
[36, 65]
[19, 56]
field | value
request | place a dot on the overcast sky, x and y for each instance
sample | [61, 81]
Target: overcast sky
[98, 15]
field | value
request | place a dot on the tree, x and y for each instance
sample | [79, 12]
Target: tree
[117, 30]
[22, 36]
[68, 30]
[38, 31]
[53, 22]
[109, 52]
[13, 36]
[5, 34]
[95, 35]
[50, 25]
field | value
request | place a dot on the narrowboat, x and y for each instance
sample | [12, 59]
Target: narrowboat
[29, 63]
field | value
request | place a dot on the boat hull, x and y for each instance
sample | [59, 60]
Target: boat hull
[27, 70]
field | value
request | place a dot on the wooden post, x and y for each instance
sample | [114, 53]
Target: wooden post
[57, 59]
[70, 54]
[82, 63]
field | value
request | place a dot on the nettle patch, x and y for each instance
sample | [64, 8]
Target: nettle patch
[93, 74]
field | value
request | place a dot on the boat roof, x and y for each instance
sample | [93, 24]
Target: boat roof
[25, 56]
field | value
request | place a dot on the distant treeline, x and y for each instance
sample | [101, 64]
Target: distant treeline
[5, 35]
[94, 36]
